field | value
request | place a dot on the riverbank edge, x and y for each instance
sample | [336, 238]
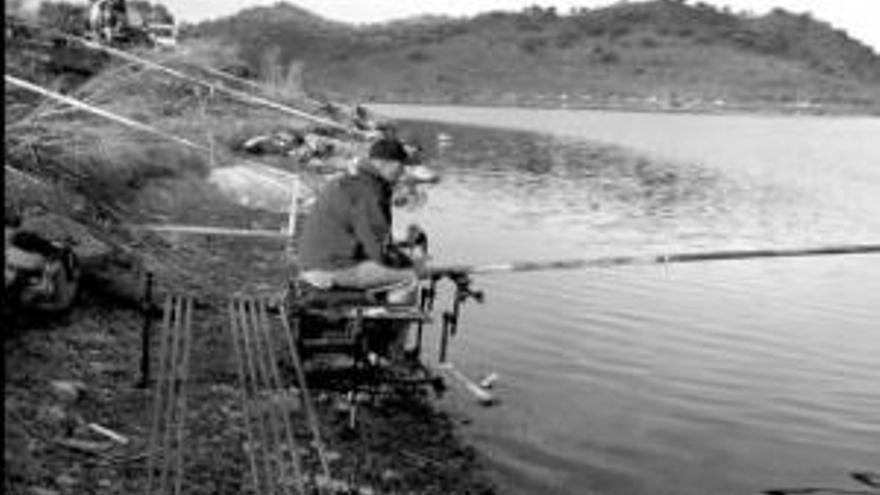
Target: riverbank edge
[64, 373]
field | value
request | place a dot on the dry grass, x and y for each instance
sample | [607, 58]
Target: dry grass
[66, 161]
[122, 175]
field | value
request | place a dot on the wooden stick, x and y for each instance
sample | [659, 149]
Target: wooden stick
[112, 435]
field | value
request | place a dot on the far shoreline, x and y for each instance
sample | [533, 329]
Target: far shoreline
[833, 111]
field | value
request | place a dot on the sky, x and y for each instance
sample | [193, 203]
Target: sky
[860, 18]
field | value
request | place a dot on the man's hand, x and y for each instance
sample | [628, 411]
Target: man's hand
[420, 267]
[417, 237]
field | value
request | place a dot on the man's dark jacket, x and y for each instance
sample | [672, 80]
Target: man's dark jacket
[350, 223]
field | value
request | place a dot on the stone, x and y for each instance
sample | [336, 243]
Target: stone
[54, 414]
[66, 480]
[391, 475]
[68, 390]
[38, 490]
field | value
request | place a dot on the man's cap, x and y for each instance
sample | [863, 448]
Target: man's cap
[389, 149]
[394, 150]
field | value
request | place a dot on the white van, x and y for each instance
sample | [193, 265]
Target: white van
[163, 35]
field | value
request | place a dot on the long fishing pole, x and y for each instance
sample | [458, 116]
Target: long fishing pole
[459, 275]
[653, 259]
[241, 95]
[143, 127]
[73, 102]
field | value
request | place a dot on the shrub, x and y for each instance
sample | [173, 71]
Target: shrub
[648, 42]
[65, 16]
[418, 56]
[609, 58]
[567, 38]
[532, 45]
[114, 172]
[684, 32]
[619, 31]
[605, 56]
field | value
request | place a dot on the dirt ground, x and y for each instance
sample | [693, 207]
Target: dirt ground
[64, 372]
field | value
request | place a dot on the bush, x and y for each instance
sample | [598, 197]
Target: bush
[567, 38]
[619, 31]
[418, 56]
[67, 17]
[605, 56]
[648, 42]
[533, 45]
[115, 172]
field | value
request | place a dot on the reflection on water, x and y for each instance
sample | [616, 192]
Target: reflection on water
[607, 198]
[728, 377]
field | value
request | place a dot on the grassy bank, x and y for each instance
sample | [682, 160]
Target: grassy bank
[66, 371]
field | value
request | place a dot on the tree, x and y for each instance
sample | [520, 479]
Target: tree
[151, 13]
[12, 7]
[65, 16]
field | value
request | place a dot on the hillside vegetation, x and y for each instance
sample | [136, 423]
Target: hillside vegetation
[662, 54]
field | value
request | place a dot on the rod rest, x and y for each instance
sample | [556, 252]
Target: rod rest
[335, 303]
[335, 298]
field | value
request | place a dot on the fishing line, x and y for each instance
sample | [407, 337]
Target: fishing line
[661, 259]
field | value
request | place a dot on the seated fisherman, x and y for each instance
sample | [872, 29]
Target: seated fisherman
[346, 239]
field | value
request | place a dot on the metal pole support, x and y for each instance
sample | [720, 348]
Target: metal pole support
[444, 335]
[146, 311]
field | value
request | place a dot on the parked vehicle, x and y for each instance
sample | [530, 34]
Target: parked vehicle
[163, 35]
[39, 275]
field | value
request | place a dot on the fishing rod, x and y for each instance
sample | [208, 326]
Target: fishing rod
[133, 124]
[460, 271]
[143, 127]
[241, 95]
[73, 102]
[459, 275]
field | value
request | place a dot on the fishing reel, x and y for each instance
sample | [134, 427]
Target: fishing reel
[464, 290]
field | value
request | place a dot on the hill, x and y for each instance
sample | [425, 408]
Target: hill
[658, 54]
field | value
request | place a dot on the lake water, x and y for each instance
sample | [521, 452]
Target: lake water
[726, 377]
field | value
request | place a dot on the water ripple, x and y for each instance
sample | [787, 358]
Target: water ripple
[727, 377]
